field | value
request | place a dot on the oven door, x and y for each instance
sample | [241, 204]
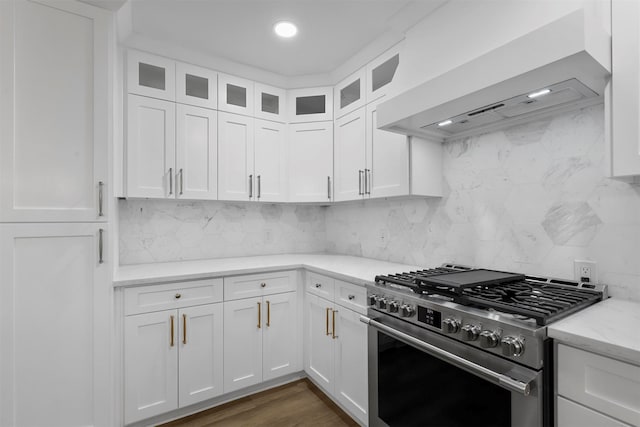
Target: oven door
[421, 378]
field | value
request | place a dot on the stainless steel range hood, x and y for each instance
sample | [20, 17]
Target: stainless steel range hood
[562, 65]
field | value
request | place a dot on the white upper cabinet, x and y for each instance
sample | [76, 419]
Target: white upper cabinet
[349, 157]
[54, 114]
[310, 105]
[151, 75]
[270, 161]
[380, 73]
[624, 111]
[236, 179]
[235, 95]
[150, 147]
[349, 94]
[196, 86]
[270, 103]
[196, 153]
[311, 162]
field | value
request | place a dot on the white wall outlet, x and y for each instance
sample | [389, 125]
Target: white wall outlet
[585, 271]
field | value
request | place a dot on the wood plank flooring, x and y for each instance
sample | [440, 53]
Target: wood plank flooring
[299, 403]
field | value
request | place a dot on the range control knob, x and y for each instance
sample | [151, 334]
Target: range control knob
[489, 339]
[381, 303]
[512, 346]
[393, 306]
[450, 326]
[406, 310]
[372, 299]
[470, 332]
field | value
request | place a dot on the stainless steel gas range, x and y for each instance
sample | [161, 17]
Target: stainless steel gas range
[456, 346]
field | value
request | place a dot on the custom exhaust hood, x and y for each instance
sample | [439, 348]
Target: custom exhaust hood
[562, 65]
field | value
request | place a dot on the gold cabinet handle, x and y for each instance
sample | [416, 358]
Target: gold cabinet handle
[268, 314]
[184, 329]
[333, 332]
[327, 317]
[259, 315]
[178, 296]
[171, 343]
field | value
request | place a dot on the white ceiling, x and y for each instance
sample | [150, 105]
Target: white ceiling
[330, 31]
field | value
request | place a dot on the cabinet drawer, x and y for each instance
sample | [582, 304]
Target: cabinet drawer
[256, 285]
[606, 385]
[146, 299]
[351, 296]
[571, 414]
[320, 285]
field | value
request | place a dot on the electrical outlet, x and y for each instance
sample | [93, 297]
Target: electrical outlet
[584, 271]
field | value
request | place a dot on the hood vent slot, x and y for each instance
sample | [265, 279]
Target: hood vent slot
[484, 110]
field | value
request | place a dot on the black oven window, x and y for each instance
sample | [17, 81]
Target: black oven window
[416, 389]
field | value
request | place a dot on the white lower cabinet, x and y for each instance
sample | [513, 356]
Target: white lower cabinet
[259, 339]
[172, 359]
[336, 351]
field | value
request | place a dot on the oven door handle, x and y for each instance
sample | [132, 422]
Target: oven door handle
[500, 379]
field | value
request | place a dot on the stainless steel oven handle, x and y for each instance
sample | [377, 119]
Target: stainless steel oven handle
[503, 380]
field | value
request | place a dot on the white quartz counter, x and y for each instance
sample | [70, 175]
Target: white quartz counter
[348, 268]
[611, 327]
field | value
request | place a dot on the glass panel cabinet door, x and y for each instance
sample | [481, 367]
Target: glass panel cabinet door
[270, 103]
[151, 75]
[381, 73]
[310, 105]
[349, 94]
[196, 86]
[235, 95]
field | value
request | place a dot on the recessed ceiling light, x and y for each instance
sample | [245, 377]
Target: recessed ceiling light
[539, 93]
[285, 29]
[445, 123]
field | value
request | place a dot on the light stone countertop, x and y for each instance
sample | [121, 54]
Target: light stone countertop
[610, 327]
[349, 268]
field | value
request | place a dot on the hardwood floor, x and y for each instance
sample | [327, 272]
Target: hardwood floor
[296, 404]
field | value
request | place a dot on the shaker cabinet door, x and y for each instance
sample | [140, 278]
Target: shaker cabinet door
[280, 346]
[349, 157]
[270, 161]
[311, 162]
[236, 179]
[319, 344]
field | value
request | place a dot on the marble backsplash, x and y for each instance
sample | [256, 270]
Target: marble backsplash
[169, 230]
[531, 199]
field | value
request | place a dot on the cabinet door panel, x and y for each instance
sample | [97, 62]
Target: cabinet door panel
[349, 157]
[310, 105]
[196, 86]
[571, 414]
[381, 74]
[351, 384]
[150, 364]
[270, 103]
[150, 147]
[235, 95]
[196, 153]
[311, 162]
[242, 343]
[319, 344]
[235, 157]
[55, 326]
[270, 161]
[200, 366]
[387, 159]
[279, 335]
[53, 111]
[349, 94]
[151, 75]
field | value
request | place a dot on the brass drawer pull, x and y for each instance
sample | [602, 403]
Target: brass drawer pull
[178, 296]
[184, 329]
[172, 343]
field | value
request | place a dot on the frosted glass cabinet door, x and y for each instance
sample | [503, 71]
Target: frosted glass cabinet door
[53, 111]
[270, 103]
[311, 162]
[151, 75]
[381, 73]
[310, 105]
[349, 94]
[151, 147]
[196, 86]
[351, 178]
[196, 153]
[235, 95]
[55, 303]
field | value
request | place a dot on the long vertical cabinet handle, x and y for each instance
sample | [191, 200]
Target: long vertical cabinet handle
[100, 198]
[250, 186]
[268, 314]
[367, 181]
[101, 246]
[329, 187]
[171, 340]
[360, 192]
[327, 317]
[170, 181]
[333, 327]
[181, 182]
[259, 191]
[184, 329]
[259, 315]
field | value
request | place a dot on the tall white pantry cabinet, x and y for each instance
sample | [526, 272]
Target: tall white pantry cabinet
[55, 289]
